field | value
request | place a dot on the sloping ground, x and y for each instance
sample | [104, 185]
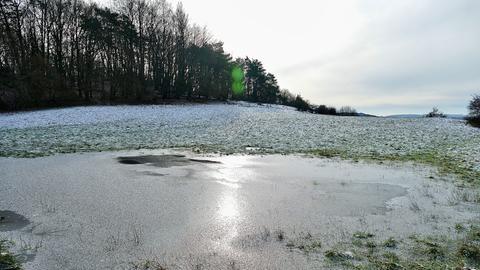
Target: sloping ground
[241, 128]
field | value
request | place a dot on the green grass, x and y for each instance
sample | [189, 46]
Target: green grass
[307, 243]
[390, 243]
[334, 255]
[7, 259]
[363, 235]
[461, 251]
[310, 247]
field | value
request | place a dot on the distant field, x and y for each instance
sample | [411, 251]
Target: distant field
[237, 128]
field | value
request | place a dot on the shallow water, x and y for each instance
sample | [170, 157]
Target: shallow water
[90, 211]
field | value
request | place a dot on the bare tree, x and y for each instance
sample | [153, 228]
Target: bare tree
[68, 52]
[347, 111]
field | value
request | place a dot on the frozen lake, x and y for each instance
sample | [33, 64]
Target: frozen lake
[187, 211]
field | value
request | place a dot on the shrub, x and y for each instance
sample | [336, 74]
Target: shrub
[474, 106]
[473, 121]
[301, 104]
[322, 109]
[435, 113]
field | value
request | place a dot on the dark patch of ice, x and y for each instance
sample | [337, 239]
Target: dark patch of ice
[163, 161]
[154, 174]
[11, 221]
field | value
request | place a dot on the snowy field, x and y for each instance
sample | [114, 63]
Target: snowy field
[231, 128]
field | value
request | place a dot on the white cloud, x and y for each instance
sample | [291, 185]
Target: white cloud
[409, 56]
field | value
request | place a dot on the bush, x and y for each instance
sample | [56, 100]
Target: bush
[435, 113]
[474, 106]
[301, 104]
[473, 121]
[322, 109]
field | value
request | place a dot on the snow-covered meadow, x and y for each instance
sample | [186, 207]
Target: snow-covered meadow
[230, 128]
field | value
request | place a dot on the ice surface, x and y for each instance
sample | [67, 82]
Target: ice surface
[89, 211]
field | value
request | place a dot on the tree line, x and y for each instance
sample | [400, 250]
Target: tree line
[69, 52]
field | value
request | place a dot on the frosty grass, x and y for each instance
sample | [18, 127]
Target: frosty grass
[234, 128]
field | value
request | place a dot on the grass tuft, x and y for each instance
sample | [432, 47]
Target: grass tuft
[390, 243]
[148, 265]
[7, 259]
[363, 235]
[337, 256]
[470, 251]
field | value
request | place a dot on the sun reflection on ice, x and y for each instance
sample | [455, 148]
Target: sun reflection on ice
[228, 205]
[231, 176]
[233, 172]
[228, 217]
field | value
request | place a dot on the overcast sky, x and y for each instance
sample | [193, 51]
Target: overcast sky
[382, 57]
